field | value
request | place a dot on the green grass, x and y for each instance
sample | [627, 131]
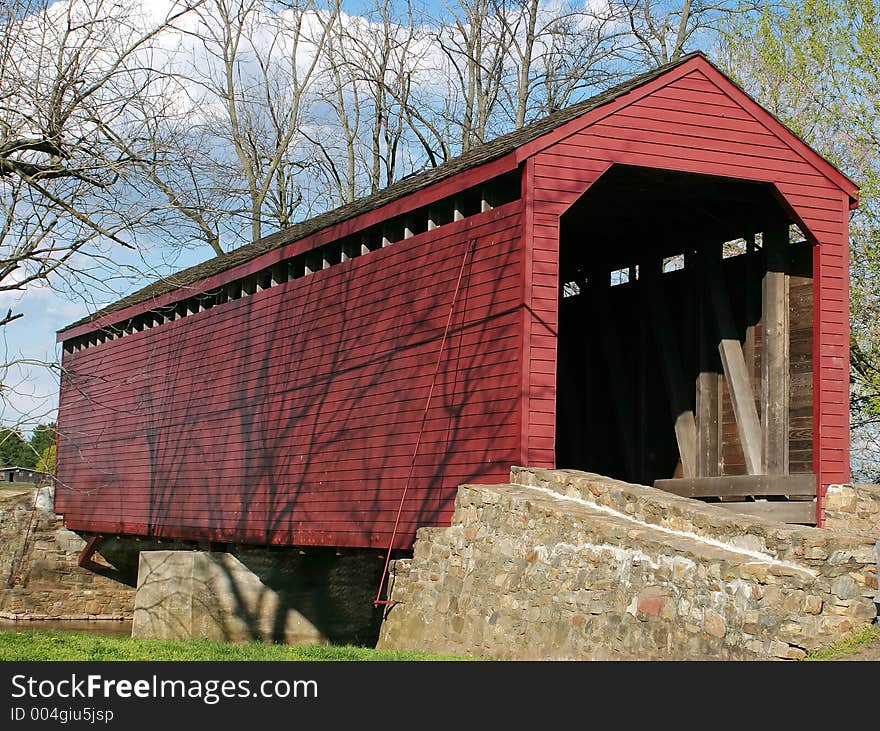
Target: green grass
[47, 645]
[847, 646]
[17, 485]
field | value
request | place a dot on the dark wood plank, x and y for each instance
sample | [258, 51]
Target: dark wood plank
[752, 310]
[802, 512]
[708, 430]
[775, 368]
[736, 373]
[644, 411]
[789, 485]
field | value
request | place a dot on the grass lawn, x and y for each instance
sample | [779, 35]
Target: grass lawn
[857, 642]
[28, 644]
[17, 485]
[25, 645]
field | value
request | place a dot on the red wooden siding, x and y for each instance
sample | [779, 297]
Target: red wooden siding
[831, 350]
[290, 416]
[690, 120]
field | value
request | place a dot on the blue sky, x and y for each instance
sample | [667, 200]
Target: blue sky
[31, 389]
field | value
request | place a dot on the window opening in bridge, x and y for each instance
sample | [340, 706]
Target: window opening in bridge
[464, 204]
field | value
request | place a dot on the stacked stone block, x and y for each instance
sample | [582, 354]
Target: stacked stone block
[854, 508]
[39, 575]
[568, 565]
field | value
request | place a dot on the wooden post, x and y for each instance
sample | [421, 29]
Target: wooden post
[708, 383]
[751, 314]
[622, 392]
[485, 199]
[709, 424]
[666, 343]
[84, 559]
[642, 416]
[775, 366]
[739, 382]
[457, 215]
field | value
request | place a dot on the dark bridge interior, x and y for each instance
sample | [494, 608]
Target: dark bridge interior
[657, 270]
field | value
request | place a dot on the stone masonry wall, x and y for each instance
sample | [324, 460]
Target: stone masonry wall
[40, 578]
[286, 596]
[568, 565]
[329, 592]
[821, 550]
[854, 508]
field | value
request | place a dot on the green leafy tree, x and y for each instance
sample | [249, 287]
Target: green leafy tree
[46, 462]
[14, 450]
[814, 63]
[42, 438]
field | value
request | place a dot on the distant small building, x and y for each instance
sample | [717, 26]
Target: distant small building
[19, 474]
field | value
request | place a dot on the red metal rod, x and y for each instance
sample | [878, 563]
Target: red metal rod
[378, 600]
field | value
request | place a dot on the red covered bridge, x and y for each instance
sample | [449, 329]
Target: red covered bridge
[652, 285]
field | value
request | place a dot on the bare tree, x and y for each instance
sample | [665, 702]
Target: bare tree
[337, 148]
[554, 53]
[578, 54]
[476, 45]
[177, 167]
[262, 60]
[71, 205]
[664, 31]
[385, 62]
[520, 22]
[368, 66]
[69, 71]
